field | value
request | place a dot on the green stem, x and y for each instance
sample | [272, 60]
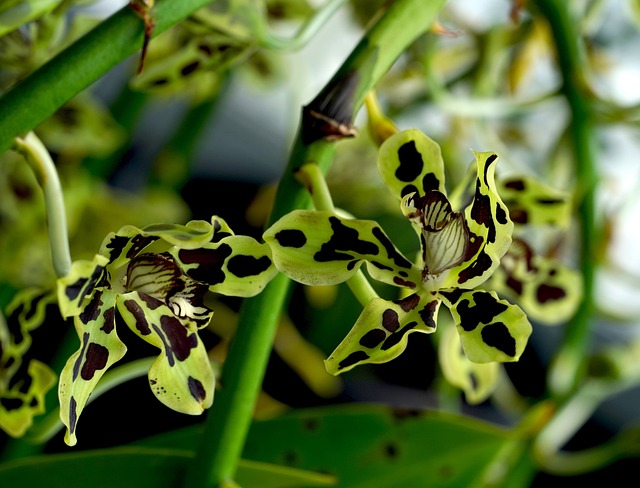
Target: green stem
[568, 368]
[229, 420]
[40, 161]
[312, 177]
[39, 95]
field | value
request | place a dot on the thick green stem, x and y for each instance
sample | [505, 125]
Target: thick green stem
[568, 369]
[40, 161]
[228, 422]
[38, 96]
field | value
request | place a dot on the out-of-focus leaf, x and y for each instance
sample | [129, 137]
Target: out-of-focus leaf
[139, 467]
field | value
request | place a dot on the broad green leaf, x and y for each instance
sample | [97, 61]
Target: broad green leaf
[181, 377]
[490, 329]
[100, 348]
[320, 248]
[380, 333]
[476, 380]
[140, 467]
[409, 161]
[548, 290]
[533, 202]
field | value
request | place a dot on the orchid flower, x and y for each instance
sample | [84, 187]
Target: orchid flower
[460, 249]
[157, 279]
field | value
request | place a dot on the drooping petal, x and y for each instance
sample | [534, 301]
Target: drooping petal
[545, 288]
[489, 229]
[24, 381]
[476, 380]
[320, 248]
[181, 377]
[380, 333]
[100, 347]
[80, 284]
[409, 161]
[532, 202]
[235, 265]
[490, 329]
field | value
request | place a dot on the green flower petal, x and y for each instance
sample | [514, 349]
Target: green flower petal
[181, 377]
[320, 248]
[100, 347]
[489, 230]
[476, 380]
[409, 162]
[490, 329]
[235, 265]
[549, 291]
[80, 284]
[23, 381]
[532, 202]
[380, 333]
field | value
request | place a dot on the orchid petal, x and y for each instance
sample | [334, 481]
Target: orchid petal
[532, 202]
[490, 329]
[80, 284]
[380, 333]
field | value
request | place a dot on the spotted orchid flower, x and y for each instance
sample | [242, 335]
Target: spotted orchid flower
[460, 249]
[157, 279]
[24, 380]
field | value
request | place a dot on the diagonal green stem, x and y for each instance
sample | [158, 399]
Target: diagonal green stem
[39, 95]
[229, 419]
[568, 369]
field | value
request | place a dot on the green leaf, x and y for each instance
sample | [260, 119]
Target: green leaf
[380, 333]
[320, 248]
[140, 467]
[100, 347]
[490, 329]
[181, 377]
[476, 380]
[548, 290]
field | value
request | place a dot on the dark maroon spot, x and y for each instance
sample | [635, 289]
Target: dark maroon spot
[179, 341]
[291, 238]
[392, 252]
[33, 306]
[95, 360]
[518, 215]
[116, 246]
[391, 450]
[109, 317]
[408, 190]
[497, 335]
[490, 160]
[546, 293]
[481, 264]
[205, 49]
[382, 266]
[481, 213]
[190, 68]
[396, 337]
[501, 215]
[210, 263]
[78, 362]
[73, 290]
[151, 302]
[411, 163]
[343, 238]
[11, 403]
[409, 303]
[243, 265]
[515, 285]
[430, 183]
[353, 358]
[549, 201]
[160, 81]
[92, 311]
[138, 243]
[427, 314]
[390, 320]
[138, 314]
[73, 415]
[517, 185]
[373, 338]
[196, 389]
[401, 282]
[452, 296]
[486, 307]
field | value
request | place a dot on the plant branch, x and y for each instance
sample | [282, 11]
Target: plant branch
[39, 95]
[228, 421]
[568, 368]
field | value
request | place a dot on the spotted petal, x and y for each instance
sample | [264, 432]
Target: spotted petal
[99, 349]
[490, 329]
[320, 248]
[380, 333]
[548, 290]
[476, 380]
[409, 161]
[489, 230]
[532, 202]
[80, 283]
[24, 381]
[181, 377]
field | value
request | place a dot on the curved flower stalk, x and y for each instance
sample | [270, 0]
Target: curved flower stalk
[23, 381]
[157, 279]
[460, 249]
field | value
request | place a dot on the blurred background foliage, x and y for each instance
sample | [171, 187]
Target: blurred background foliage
[205, 129]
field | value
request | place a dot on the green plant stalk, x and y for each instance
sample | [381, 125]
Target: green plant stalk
[568, 368]
[39, 95]
[42, 165]
[230, 417]
[312, 177]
